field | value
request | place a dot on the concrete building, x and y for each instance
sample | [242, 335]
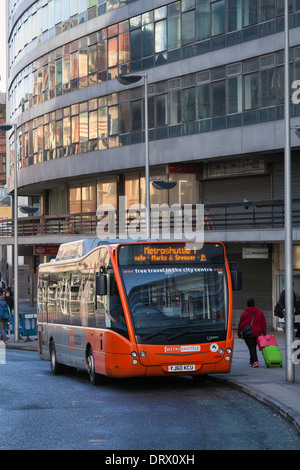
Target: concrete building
[215, 98]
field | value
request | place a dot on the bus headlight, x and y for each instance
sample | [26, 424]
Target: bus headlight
[221, 351]
[133, 354]
[143, 354]
[227, 358]
[135, 361]
[228, 350]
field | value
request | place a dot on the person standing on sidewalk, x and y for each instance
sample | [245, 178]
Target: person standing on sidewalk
[255, 317]
[4, 318]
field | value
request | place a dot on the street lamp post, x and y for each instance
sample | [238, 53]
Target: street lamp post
[157, 184]
[289, 296]
[6, 128]
[128, 80]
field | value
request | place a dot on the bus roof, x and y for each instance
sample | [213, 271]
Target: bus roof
[80, 248]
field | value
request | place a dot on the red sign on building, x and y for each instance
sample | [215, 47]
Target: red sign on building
[46, 250]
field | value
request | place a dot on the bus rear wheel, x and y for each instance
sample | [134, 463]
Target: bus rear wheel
[56, 367]
[95, 379]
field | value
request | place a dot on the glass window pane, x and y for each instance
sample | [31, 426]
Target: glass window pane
[234, 95]
[188, 27]
[132, 189]
[51, 14]
[102, 55]
[113, 52]
[203, 95]
[58, 15]
[124, 55]
[52, 136]
[135, 44]
[148, 40]
[45, 18]
[113, 120]
[66, 131]
[82, 6]
[40, 138]
[174, 107]
[251, 91]
[124, 117]
[83, 127]
[218, 98]
[88, 198]
[267, 10]
[75, 199]
[74, 65]
[280, 85]
[102, 123]
[161, 36]
[107, 191]
[234, 15]
[160, 13]
[92, 51]
[189, 104]
[59, 129]
[136, 115]
[267, 87]
[75, 129]
[187, 4]
[73, 7]
[218, 18]
[93, 125]
[174, 32]
[250, 12]
[66, 68]
[161, 110]
[65, 10]
[58, 79]
[203, 21]
[83, 62]
[46, 138]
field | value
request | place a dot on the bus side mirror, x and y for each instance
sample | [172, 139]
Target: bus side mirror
[236, 279]
[101, 284]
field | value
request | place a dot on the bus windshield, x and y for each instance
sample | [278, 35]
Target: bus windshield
[176, 302]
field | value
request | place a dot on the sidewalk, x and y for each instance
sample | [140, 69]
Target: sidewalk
[268, 385]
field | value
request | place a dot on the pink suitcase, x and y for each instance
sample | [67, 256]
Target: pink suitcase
[264, 341]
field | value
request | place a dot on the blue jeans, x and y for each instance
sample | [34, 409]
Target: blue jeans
[3, 324]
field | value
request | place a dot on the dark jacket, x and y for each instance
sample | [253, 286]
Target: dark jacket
[259, 326]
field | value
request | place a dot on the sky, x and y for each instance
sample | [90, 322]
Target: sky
[3, 4]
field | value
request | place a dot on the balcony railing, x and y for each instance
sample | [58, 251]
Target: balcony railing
[220, 217]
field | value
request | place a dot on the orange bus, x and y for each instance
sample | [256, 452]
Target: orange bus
[128, 309]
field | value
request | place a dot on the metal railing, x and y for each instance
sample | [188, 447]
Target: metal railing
[267, 214]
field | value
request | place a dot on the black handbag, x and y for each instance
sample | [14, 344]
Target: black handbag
[278, 311]
[247, 331]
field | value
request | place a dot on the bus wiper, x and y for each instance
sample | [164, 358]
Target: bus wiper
[185, 332]
[157, 333]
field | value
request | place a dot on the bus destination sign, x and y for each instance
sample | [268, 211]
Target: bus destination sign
[170, 253]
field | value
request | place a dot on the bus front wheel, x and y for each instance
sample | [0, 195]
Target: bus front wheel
[95, 378]
[56, 367]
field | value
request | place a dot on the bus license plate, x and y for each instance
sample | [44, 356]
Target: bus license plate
[182, 368]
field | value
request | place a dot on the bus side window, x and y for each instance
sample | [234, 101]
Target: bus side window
[114, 315]
[101, 307]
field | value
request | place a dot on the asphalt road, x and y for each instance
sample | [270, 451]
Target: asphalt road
[41, 411]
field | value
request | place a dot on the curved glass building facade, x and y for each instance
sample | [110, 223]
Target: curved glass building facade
[215, 109]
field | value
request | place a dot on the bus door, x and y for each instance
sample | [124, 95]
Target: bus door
[42, 313]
